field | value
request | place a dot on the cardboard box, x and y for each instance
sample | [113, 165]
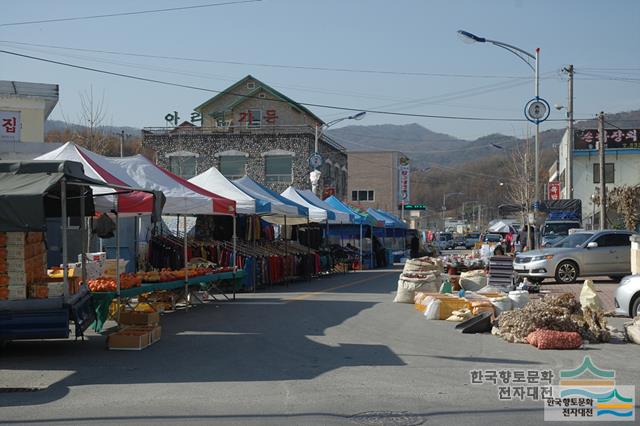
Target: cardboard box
[16, 237]
[100, 256]
[17, 292]
[129, 340]
[17, 277]
[56, 289]
[139, 318]
[134, 338]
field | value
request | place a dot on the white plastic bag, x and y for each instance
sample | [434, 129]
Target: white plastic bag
[519, 298]
[501, 304]
[432, 311]
[589, 298]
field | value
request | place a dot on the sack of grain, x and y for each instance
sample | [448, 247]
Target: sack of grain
[589, 298]
[633, 330]
[423, 264]
[473, 280]
[501, 304]
[519, 298]
[407, 287]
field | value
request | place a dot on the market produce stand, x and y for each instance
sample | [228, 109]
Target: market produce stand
[209, 282]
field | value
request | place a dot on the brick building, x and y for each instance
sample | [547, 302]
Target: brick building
[375, 179]
[251, 128]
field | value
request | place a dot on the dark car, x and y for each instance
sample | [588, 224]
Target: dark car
[471, 240]
[459, 242]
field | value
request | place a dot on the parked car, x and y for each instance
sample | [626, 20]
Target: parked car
[459, 242]
[627, 296]
[585, 253]
[445, 240]
[492, 238]
[471, 240]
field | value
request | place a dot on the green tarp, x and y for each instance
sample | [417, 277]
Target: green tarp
[30, 192]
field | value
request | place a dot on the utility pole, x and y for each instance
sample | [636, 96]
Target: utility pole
[569, 173]
[603, 192]
[122, 144]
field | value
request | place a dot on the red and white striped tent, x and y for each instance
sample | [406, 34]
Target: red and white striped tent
[99, 168]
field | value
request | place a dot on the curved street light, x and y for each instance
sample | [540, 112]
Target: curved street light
[526, 57]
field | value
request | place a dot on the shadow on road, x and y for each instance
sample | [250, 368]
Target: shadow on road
[487, 360]
[260, 339]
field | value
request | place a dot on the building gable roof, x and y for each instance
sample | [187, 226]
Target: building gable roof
[259, 86]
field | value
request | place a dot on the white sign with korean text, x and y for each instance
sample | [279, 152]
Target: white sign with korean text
[10, 125]
[404, 180]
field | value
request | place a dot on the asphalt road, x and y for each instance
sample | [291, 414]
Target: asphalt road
[331, 351]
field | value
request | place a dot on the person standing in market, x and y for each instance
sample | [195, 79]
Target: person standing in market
[414, 247]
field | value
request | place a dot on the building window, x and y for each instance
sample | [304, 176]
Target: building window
[233, 166]
[251, 85]
[255, 118]
[363, 195]
[278, 168]
[184, 166]
[609, 173]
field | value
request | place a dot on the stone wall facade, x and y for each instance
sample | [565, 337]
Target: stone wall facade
[254, 145]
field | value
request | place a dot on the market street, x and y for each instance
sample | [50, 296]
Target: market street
[330, 351]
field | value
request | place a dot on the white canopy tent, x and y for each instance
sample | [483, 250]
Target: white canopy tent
[286, 212]
[316, 214]
[339, 216]
[183, 197]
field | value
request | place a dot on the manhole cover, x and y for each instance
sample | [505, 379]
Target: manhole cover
[15, 390]
[397, 418]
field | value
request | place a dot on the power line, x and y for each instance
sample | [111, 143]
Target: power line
[139, 12]
[307, 104]
[208, 76]
[257, 64]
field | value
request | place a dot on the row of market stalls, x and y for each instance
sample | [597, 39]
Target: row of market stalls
[248, 212]
[112, 214]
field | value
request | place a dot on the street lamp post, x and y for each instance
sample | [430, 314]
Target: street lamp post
[523, 55]
[313, 161]
[444, 205]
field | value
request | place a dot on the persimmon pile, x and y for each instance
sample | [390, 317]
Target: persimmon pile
[109, 284]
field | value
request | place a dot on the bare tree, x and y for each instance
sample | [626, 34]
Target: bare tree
[92, 117]
[626, 200]
[520, 188]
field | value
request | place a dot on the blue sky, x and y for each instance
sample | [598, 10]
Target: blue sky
[600, 39]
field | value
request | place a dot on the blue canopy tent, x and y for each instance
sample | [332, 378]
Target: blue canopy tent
[395, 232]
[286, 211]
[360, 220]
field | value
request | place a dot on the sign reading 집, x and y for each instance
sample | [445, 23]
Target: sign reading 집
[10, 126]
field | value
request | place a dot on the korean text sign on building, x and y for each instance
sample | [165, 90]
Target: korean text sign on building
[615, 139]
[404, 171]
[10, 125]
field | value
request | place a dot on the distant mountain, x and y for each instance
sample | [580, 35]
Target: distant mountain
[425, 147]
[59, 125]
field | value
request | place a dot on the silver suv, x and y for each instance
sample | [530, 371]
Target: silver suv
[585, 253]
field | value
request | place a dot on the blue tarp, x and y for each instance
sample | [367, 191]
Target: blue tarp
[358, 219]
[397, 222]
[285, 207]
[388, 222]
